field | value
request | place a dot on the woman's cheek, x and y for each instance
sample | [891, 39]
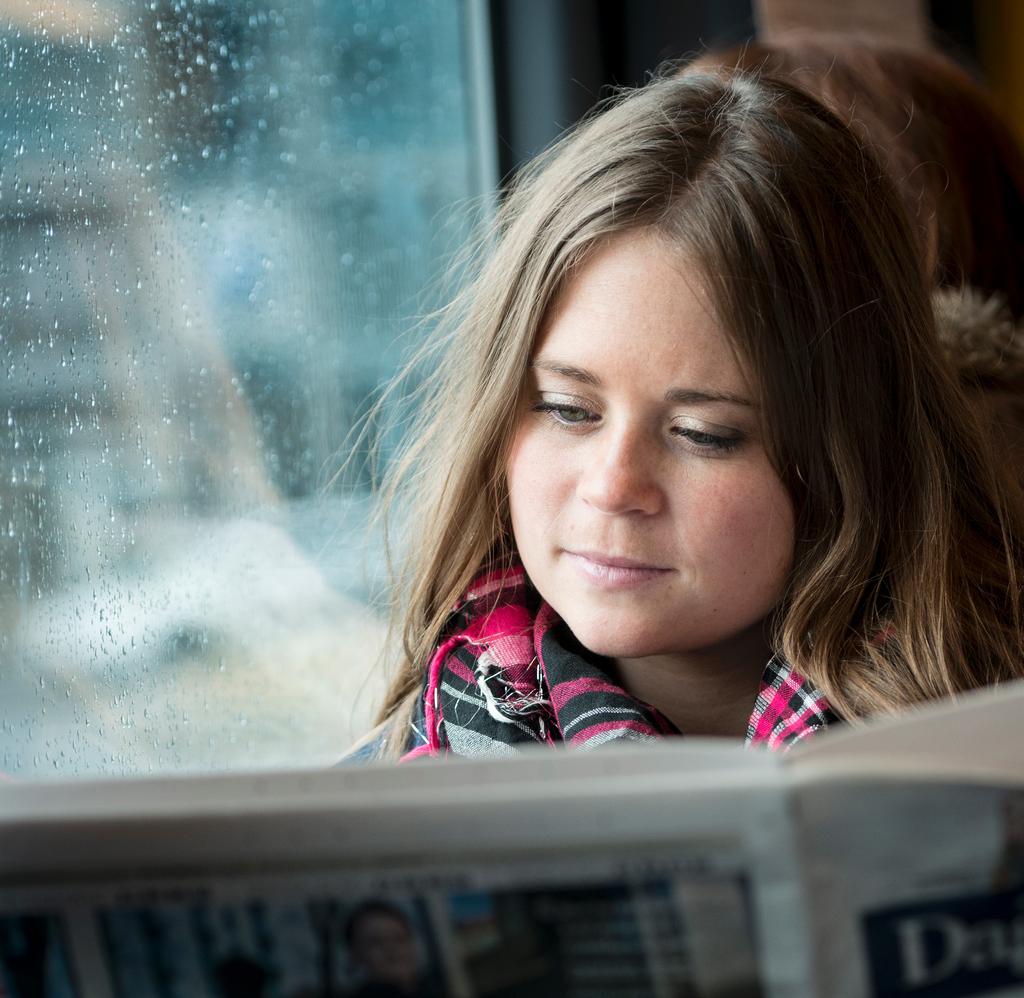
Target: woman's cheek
[758, 533]
[539, 476]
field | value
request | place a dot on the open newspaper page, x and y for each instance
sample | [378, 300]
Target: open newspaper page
[911, 836]
[666, 872]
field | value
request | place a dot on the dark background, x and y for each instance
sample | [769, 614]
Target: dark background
[553, 59]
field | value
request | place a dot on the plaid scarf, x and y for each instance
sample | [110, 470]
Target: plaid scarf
[509, 672]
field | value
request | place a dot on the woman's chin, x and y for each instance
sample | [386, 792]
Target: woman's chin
[619, 642]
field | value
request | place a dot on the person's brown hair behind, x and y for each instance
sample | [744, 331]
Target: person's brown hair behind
[953, 157]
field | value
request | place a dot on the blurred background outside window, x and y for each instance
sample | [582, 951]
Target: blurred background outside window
[217, 218]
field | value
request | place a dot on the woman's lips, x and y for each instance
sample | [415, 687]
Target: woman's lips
[611, 572]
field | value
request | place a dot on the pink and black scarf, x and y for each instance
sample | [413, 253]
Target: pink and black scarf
[510, 673]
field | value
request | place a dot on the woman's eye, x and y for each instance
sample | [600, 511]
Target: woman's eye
[712, 442]
[568, 415]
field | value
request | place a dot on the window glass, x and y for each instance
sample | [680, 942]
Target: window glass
[217, 218]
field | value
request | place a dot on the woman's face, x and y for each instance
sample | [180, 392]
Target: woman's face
[644, 506]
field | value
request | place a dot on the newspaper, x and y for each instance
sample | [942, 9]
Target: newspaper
[887, 860]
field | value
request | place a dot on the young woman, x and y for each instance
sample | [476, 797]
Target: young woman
[692, 461]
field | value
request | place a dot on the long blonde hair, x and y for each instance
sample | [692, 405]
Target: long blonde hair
[904, 583]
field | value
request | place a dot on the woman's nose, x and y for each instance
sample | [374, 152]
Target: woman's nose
[620, 475]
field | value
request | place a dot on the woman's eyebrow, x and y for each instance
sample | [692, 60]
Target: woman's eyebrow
[692, 396]
[680, 396]
[567, 371]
